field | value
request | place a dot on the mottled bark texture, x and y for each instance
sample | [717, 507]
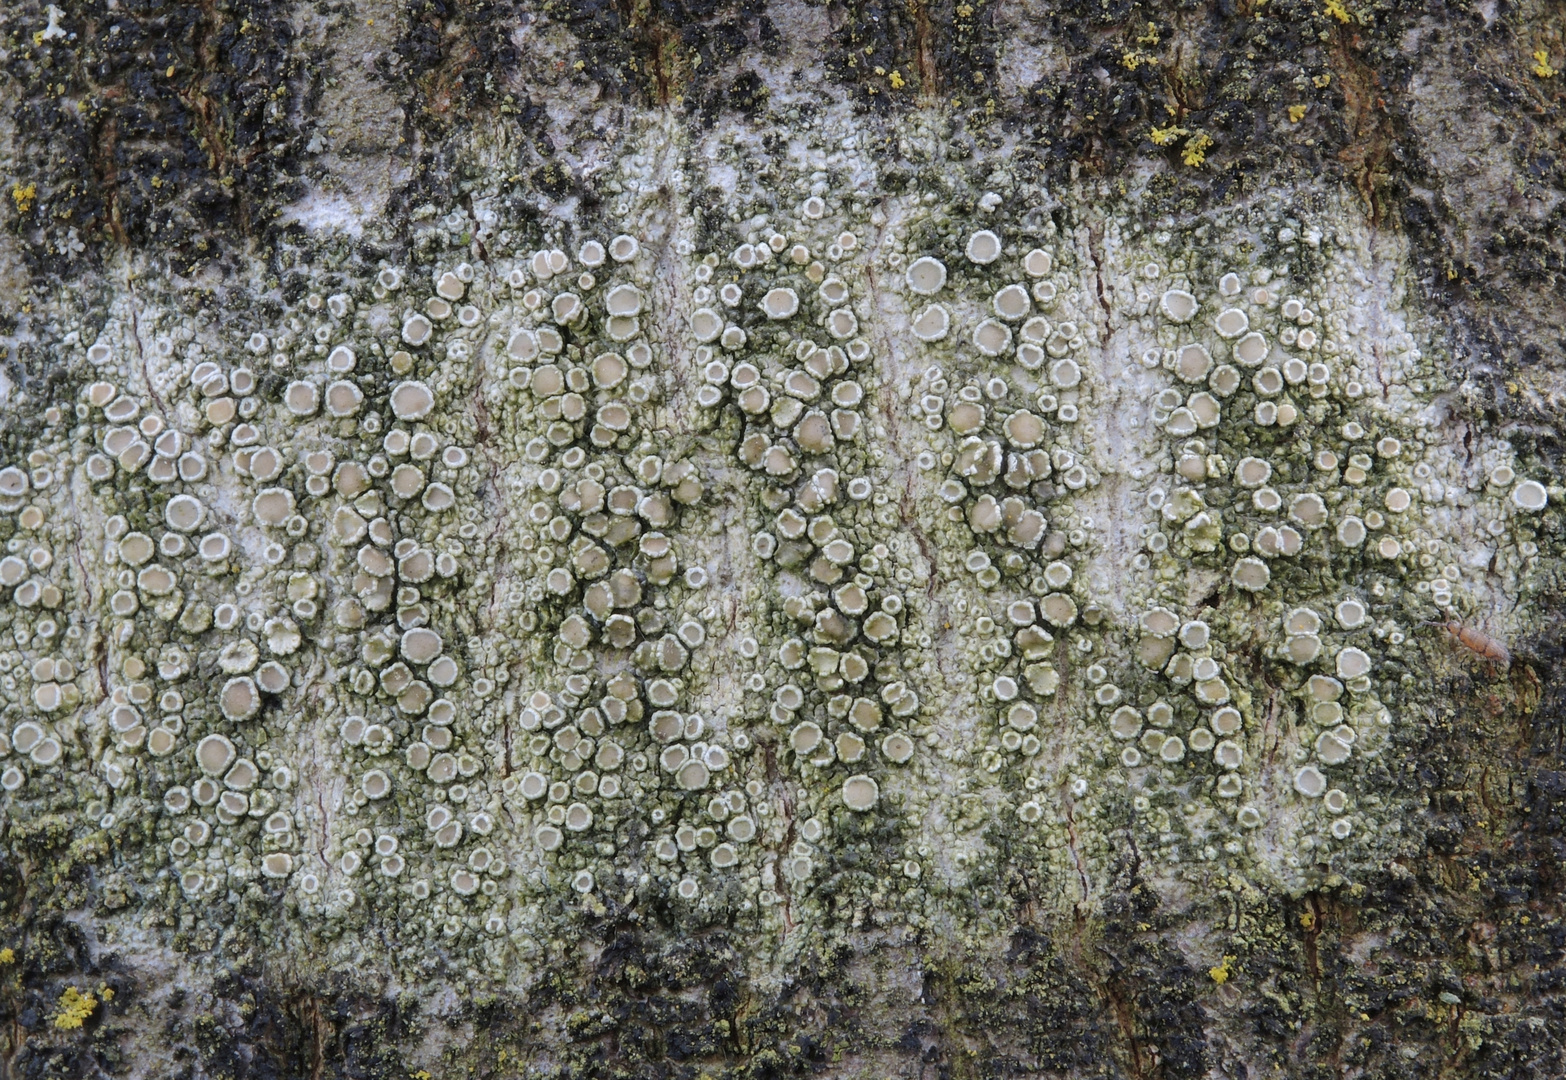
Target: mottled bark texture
[707, 538]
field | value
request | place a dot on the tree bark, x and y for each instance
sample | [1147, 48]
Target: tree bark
[605, 539]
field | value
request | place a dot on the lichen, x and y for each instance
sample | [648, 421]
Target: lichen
[75, 1008]
[804, 542]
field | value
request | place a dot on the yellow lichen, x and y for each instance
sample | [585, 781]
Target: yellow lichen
[1336, 9]
[1151, 37]
[1221, 973]
[23, 196]
[1297, 113]
[1196, 147]
[7, 955]
[897, 80]
[1541, 64]
[1165, 136]
[75, 1008]
[1321, 81]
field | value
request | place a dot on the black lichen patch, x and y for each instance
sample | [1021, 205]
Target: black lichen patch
[459, 57]
[1488, 239]
[1229, 97]
[169, 126]
[897, 55]
[72, 1007]
[693, 54]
